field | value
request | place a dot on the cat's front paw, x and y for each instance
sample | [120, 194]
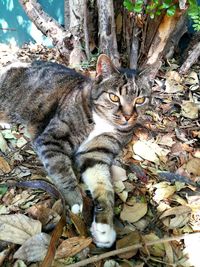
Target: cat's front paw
[77, 208]
[103, 234]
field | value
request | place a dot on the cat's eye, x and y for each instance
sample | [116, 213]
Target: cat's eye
[113, 97]
[98, 208]
[140, 100]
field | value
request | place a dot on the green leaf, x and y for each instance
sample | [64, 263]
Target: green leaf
[171, 11]
[3, 189]
[128, 5]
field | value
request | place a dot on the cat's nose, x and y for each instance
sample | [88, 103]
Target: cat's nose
[127, 117]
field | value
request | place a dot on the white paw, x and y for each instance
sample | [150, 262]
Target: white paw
[103, 234]
[5, 125]
[76, 208]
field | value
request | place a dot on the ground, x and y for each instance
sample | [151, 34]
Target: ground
[156, 181]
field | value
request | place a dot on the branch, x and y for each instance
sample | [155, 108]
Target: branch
[130, 248]
[48, 26]
[191, 59]
[85, 28]
[107, 34]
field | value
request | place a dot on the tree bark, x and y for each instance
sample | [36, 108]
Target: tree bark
[62, 39]
[192, 58]
[165, 29]
[107, 34]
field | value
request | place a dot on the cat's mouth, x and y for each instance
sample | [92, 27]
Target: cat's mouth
[126, 122]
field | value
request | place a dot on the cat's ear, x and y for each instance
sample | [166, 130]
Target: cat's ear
[105, 67]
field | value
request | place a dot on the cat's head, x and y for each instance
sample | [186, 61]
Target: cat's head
[118, 95]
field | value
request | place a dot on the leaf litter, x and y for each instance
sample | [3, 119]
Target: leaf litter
[156, 182]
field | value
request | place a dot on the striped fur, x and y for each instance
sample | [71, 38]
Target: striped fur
[75, 125]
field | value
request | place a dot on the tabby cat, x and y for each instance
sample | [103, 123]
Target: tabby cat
[76, 123]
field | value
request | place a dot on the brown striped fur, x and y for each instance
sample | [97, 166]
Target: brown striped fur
[75, 124]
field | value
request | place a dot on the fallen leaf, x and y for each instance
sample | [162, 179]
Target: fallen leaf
[191, 78]
[21, 142]
[129, 240]
[149, 150]
[163, 191]
[4, 166]
[176, 217]
[169, 253]
[8, 134]
[18, 228]
[173, 87]
[79, 224]
[72, 246]
[34, 249]
[111, 263]
[133, 213]
[189, 110]
[193, 166]
[44, 214]
[118, 173]
[157, 250]
[3, 144]
[166, 140]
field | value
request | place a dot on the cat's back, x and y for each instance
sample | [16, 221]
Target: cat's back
[38, 74]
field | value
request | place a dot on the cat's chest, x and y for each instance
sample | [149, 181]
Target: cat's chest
[101, 126]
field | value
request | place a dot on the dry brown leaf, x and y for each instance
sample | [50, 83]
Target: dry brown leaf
[192, 78]
[79, 224]
[110, 263]
[72, 246]
[133, 213]
[176, 217]
[149, 150]
[3, 144]
[118, 173]
[4, 166]
[189, 110]
[129, 240]
[43, 214]
[166, 140]
[157, 250]
[193, 166]
[34, 249]
[172, 83]
[169, 253]
[163, 191]
[18, 228]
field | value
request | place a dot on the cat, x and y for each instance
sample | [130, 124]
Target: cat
[77, 125]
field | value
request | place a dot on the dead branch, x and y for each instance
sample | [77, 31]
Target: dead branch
[194, 54]
[48, 26]
[130, 248]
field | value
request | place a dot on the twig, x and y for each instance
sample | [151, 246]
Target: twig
[129, 248]
[86, 33]
[191, 59]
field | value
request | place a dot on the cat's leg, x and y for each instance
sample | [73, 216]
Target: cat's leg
[94, 159]
[98, 180]
[54, 152]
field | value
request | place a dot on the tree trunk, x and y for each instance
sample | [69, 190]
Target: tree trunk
[165, 29]
[107, 33]
[62, 39]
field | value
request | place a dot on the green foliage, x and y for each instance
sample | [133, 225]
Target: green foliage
[3, 190]
[155, 8]
[194, 14]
